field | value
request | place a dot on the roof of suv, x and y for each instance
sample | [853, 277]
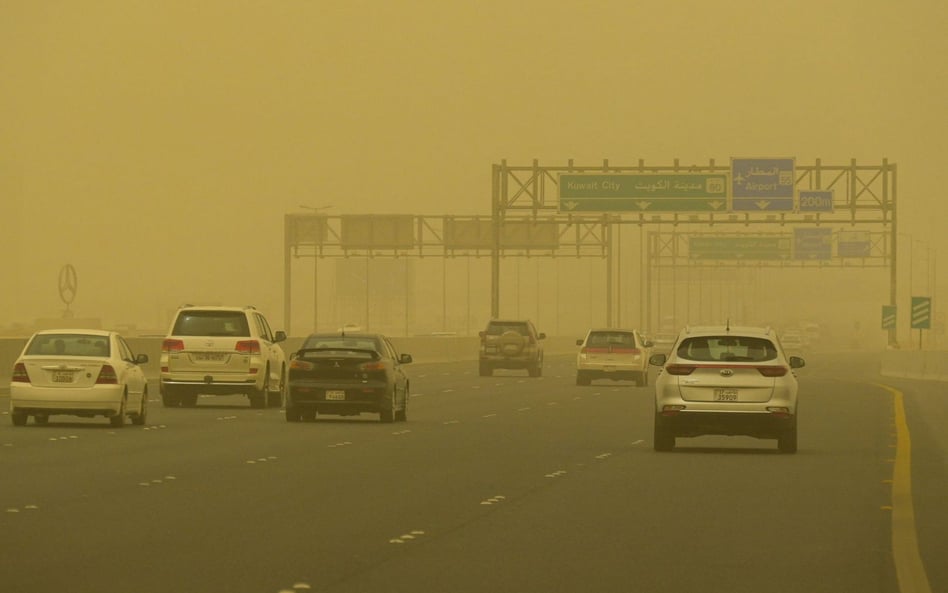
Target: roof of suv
[741, 330]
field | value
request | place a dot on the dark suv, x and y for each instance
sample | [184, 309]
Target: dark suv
[511, 344]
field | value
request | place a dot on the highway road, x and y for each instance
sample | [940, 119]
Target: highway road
[494, 484]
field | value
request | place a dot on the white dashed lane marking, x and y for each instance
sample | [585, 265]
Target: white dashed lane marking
[493, 500]
[407, 537]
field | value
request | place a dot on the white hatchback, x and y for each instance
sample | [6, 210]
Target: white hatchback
[725, 380]
[78, 372]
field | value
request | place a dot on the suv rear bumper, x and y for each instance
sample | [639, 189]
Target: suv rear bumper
[762, 425]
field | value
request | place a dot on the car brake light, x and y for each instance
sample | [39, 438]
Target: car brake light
[248, 347]
[107, 376]
[172, 345]
[772, 371]
[779, 411]
[301, 365]
[680, 369]
[672, 409]
[19, 373]
[373, 366]
[588, 350]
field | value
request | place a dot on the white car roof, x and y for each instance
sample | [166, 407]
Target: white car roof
[76, 330]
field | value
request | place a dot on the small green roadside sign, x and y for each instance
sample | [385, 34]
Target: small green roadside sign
[921, 312]
[888, 316]
[737, 247]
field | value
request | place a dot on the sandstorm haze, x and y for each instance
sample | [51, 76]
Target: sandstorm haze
[156, 146]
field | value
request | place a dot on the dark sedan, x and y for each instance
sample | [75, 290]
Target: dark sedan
[347, 374]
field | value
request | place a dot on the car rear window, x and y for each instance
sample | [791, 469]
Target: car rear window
[342, 342]
[69, 345]
[496, 329]
[727, 349]
[621, 339]
[211, 323]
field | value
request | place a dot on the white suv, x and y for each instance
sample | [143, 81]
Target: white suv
[726, 380]
[221, 351]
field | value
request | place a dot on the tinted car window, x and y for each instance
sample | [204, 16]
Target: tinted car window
[343, 342]
[611, 339]
[211, 323]
[496, 329]
[727, 348]
[69, 345]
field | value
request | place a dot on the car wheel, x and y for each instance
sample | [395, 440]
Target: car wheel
[118, 421]
[258, 397]
[188, 400]
[388, 414]
[170, 397]
[642, 379]
[275, 398]
[663, 439]
[309, 414]
[293, 414]
[485, 370]
[19, 418]
[787, 441]
[139, 418]
[582, 378]
[41, 419]
[402, 415]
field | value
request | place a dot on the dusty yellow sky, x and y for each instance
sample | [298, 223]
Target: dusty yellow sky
[165, 139]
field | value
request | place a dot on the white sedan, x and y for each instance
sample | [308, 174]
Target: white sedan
[78, 372]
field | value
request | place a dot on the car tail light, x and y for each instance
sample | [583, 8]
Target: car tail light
[779, 411]
[670, 410]
[772, 371]
[373, 366]
[248, 347]
[301, 365]
[106, 376]
[172, 345]
[589, 350]
[627, 351]
[680, 369]
[19, 373]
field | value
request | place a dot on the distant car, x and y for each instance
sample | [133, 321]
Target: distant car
[724, 380]
[616, 354]
[348, 374]
[219, 351]
[511, 344]
[78, 372]
[662, 342]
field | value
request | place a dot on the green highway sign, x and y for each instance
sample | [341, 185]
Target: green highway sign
[888, 316]
[735, 247]
[921, 312]
[643, 192]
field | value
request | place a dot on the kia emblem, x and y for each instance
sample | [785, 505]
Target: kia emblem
[726, 372]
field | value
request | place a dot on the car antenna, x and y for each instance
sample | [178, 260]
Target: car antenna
[727, 327]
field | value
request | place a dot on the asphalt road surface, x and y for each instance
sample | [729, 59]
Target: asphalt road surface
[494, 484]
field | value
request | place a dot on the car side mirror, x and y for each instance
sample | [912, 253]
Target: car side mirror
[404, 358]
[279, 336]
[648, 343]
[797, 362]
[657, 359]
[541, 336]
[141, 359]
[579, 342]
[482, 333]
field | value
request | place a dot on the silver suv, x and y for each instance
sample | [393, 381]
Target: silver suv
[511, 344]
[725, 380]
[222, 351]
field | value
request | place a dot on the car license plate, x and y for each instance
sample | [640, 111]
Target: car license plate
[336, 395]
[725, 395]
[62, 377]
[212, 356]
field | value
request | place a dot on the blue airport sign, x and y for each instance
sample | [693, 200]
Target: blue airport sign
[759, 185]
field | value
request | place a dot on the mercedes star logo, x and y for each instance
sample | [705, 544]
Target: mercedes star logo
[68, 284]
